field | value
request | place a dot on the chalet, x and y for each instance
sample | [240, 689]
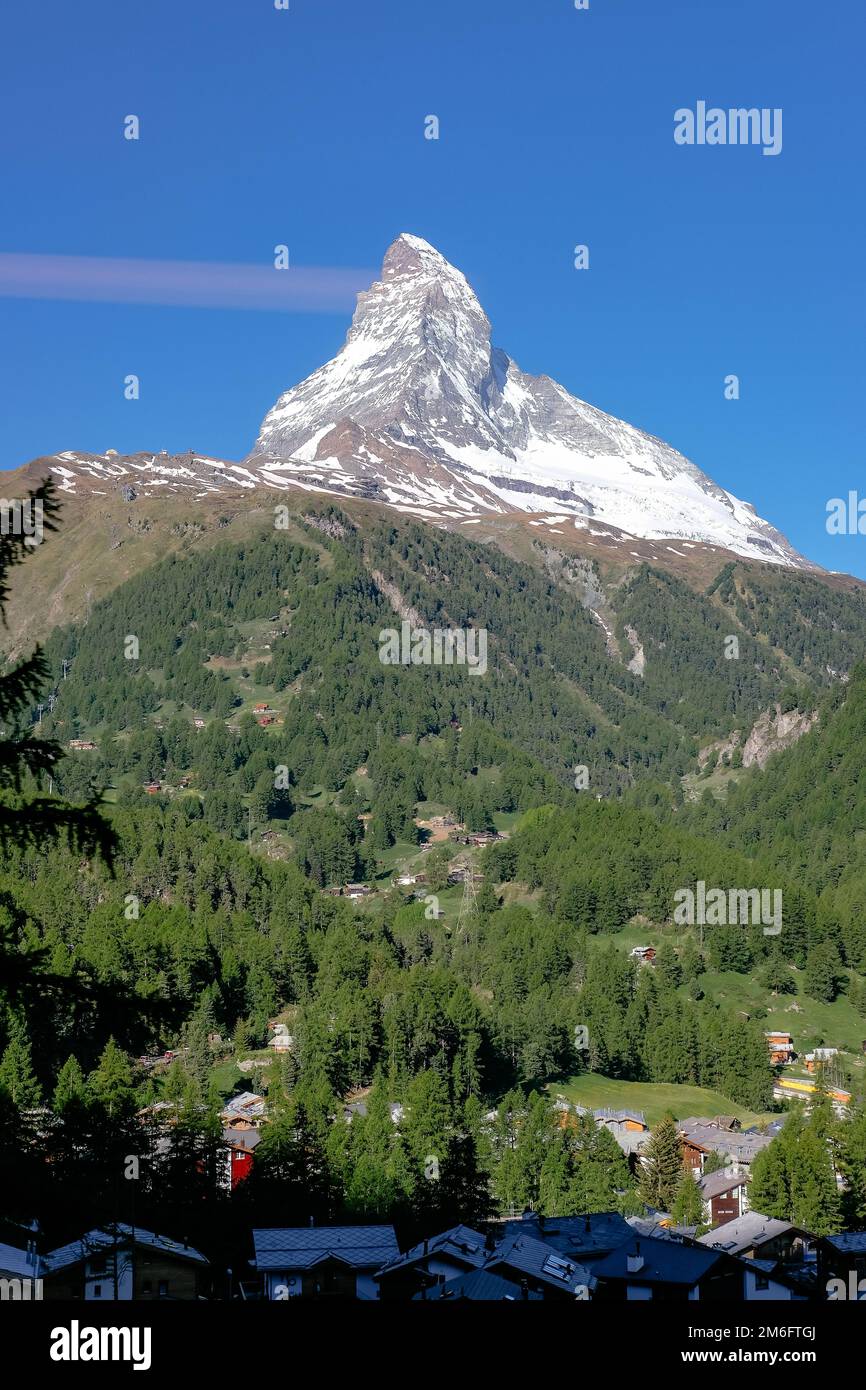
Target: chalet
[152, 788]
[725, 1194]
[758, 1237]
[432, 1263]
[239, 1146]
[700, 1137]
[121, 1262]
[357, 890]
[245, 1106]
[480, 837]
[82, 745]
[781, 1048]
[265, 720]
[633, 1120]
[261, 707]
[282, 1040]
[333, 892]
[323, 1261]
[644, 955]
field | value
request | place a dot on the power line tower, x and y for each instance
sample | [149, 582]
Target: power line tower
[468, 903]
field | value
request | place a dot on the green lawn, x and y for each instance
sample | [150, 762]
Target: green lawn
[227, 1076]
[810, 1022]
[654, 1098]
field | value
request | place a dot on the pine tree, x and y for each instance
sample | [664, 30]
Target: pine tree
[28, 819]
[852, 1164]
[464, 1188]
[668, 967]
[769, 1190]
[688, 1207]
[71, 1088]
[815, 1201]
[110, 1084]
[17, 1077]
[823, 973]
[661, 1170]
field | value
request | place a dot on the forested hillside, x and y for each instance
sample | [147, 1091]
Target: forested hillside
[805, 813]
[299, 620]
[254, 749]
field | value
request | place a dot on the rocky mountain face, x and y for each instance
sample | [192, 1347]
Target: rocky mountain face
[420, 411]
[775, 730]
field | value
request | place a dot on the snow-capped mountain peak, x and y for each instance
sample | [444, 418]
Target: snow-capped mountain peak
[421, 411]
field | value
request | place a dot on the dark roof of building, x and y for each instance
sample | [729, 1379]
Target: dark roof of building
[460, 1243]
[575, 1235]
[104, 1239]
[541, 1261]
[665, 1262]
[302, 1247]
[481, 1286]
[847, 1241]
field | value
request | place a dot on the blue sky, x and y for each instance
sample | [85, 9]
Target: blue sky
[305, 127]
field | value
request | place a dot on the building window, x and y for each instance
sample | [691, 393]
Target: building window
[163, 1288]
[147, 1287]
[97, 1290]
[762, 1283]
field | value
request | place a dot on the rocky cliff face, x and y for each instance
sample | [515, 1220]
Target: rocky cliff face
[774, 731]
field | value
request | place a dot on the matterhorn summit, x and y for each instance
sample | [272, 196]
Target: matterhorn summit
[418, 410]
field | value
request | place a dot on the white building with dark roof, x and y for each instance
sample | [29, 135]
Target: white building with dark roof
[316, 1261]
